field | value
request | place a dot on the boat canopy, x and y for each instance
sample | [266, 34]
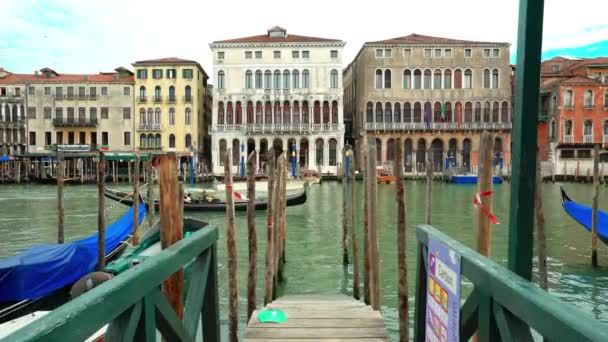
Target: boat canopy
[124, 156]
[40, 270]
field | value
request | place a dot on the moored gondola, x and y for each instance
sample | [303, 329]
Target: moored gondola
[582, 214]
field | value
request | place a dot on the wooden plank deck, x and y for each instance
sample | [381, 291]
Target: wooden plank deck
[319, 318]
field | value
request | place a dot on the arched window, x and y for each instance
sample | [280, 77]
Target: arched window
[267, 79]
[437, 79]
[259, 112]
[286, 80]
[427, 79]
[151, 141]
[258, 79]
[477, 112]
[296, 79]
[236, 151]
[568, 128]
[407, 79]
[317, 112]
[333, 79]
[606, 96]
[319, 152]
[568, 99]
[157, 116]
[188, 140]
[495, 80]
[457, 79]
[390, 150]
[417, 112]
[325, 112]
[486, 78]
[447, 79]
[305, 79]
[379, 113]
[437, 113]
[552, 130]
[142, 116]
[388, 113]
[286, 112]
[468, 79]
[249, 112]
[157, 140]
[142, 140]
[407, 112]
[333, 149]
[267, 113]
[334, 112]
[142, 93]
[397, 114]
[588, 99]
[486, 111]
[277, 112]
[157, 94]
[277, 79]
[417, 79]
[296, 112]
[588, 128]
[370, 112]
[468, 112]
[448, 112]
[428, 112]
[150, 116]
[229, 113]
[504, 112]
[221, 79]
[605, 129]
[239, 113]
[495, 111]
[248, 79]
[378, 78]
[223, 150]
[172, 93]
[387, 78]
[171, 116]
[188, 118]
[188, 94]
[305, 112]
[220, 113]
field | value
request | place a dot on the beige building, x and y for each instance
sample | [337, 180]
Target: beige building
[438, 94]
[87, 112]
[170, 105]
[278, 89]
[12, 113]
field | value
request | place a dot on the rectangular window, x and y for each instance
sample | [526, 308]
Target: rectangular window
[388, 53]
[437, 52]
[82, 138]
[32, 138]
[59, 138]
[126, 113]
[82, 115]
[157, 74]
[468, 53]
[81, 92]
[59, 113]
[47, 112]
[276, 54]
[31, 91]
[127, 138]
[583, 154]
[295, 54]
[17, 92]
[407, 53]
[567, 154]
[71, 138]
[47, 91]
[142, 74]
[59, 92]
[47, 139]
[126, 91]
[92, 92]
[104, 112]
[93, 138]
[171, 74]
[70, 92]
[93, 113]
[427, 53]
[104, 138]
[31, 112]
[333, 53]
[306, 54]
[104, 91]
[70, 114]
[248, 55]
[220, 55]
[447, 53]
[379, 53]
[258, 54]
[486, 53]
[495, 52]
[187, 74]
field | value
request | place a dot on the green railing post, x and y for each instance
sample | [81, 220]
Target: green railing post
[521, 215]
[210, 314]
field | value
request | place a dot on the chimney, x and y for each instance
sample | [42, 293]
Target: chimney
[36, 72]
[116, 76]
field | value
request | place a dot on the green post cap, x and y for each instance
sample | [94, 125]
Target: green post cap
[272, 316]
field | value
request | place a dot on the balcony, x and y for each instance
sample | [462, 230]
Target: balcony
[150, 148]
[588, 139]
[568, 139]
[187, 98]
[171, 99]
[142, 99]
[146, 127]
[82, 97]
[92, 97]
[157, 99]
[605, 140]
[277, 128]
[75, 122]
[59, 96]
[69, 97]
[437, 126]
[589, 106]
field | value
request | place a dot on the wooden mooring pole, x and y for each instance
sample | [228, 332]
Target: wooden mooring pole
[344, 215]
[484, 184]
[252, 236]
[150, 191]
[60, 199]
[596, 185]
[353, 230]
[429, 190]
[135, 238]
[401, 245]
[366, 261]
[269, 280]
[171, 226]
[374, 288]
[101, 212]
[231, 248]
[541, 237]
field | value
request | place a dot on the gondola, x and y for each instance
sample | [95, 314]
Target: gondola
[582, 214]
[201, 205]
[40, 277]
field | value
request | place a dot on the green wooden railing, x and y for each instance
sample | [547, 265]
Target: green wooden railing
[502, 306]
[136, 307]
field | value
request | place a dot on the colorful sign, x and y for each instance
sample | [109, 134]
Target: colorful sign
[443, 294]
[73, 148]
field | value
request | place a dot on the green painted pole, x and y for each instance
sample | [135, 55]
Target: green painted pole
[521, 215]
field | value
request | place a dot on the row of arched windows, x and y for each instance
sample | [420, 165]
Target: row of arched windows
[588, 99]
[153, 117]
[12, 113]
[276, 113]
[568, 128]
[436, 79]
[277, 80]
[418, 112]
[154, 140]
[172, 94]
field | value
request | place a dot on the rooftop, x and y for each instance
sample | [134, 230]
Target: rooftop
[167, 60]
[416, 38]
[47, 75]
[277, 34]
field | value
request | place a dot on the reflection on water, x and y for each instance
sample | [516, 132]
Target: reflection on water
[314, 262]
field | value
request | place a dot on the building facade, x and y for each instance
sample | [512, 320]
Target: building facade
[437, 94]
[278, 90]
[573, 113]
[170, 105]
[12, 113]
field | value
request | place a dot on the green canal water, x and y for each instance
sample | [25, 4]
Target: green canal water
[313, 251]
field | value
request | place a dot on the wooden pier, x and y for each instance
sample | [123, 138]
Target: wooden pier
[316, 317]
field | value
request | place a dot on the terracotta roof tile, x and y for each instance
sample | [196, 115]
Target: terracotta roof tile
[40, 78]
[582, 80]
[416, 38]
[167, 60]
[289, 38]
[568, 65]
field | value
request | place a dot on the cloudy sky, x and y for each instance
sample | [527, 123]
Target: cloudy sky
[90, 36]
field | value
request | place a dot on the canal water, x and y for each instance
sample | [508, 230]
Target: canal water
[313, 249]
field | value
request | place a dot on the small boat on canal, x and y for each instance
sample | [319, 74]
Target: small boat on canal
[311, 176]
[40, 277]
[385, 176]
[582, 214]
[472, 179]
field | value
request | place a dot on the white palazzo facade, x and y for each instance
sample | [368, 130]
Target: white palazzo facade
[278, 90]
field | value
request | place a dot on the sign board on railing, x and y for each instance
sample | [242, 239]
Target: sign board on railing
[73, 148]
[443, 294]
